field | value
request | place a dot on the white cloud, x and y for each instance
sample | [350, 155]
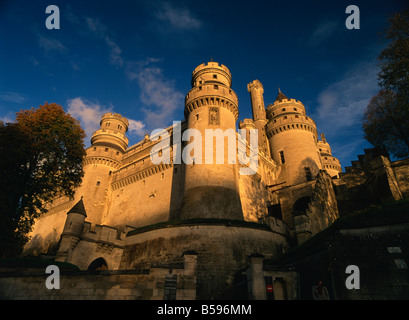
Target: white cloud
[136, 127]
[89, 114]
[178, 18]
[322, 32]
[157, 92]
[340, 110]
[115, 54]
[12, 97]
[51, 44]
[101, 31]
[96, 26]
[342, 103]
[6, 119]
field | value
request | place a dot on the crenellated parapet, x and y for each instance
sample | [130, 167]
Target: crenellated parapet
[113, 128]
[211, 95]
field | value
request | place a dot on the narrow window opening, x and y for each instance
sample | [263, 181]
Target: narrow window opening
[308, 173]
[282, 156]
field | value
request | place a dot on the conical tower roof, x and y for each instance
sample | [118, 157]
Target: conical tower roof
[78, 208]
[280, 96]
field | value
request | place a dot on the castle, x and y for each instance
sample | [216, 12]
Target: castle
[206, 219]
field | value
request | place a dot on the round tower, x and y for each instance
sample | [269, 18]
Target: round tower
[112, 132]
[74, 224]
[104, 156]
[329, 162]
[256, 91]
[293, 140]
[211, 188]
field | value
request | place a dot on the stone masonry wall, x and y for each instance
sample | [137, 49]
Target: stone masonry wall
[107, 285]
[221, 252]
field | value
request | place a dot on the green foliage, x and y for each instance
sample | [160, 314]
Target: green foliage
[41, 158]
[386, 120]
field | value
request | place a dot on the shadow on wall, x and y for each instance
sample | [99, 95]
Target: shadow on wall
[307, 171]
[39, 245]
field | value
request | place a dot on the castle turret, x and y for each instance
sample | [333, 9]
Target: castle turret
[211, 188]
[104, 156]
[293, 140]
[74, 224]
[259, 113]
[329, 162]
[112, 132]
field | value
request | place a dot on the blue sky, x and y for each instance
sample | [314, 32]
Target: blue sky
[136, 58]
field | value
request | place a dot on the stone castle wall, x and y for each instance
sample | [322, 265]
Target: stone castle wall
[222, 251]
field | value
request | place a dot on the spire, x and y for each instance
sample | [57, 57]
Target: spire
[78, 208]
[280, 95]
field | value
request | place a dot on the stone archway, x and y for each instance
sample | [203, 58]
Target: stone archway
[300, 206]
[98, 265]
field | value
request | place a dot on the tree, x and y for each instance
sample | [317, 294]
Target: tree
[386, 120]
[41, 158]
[383, 125]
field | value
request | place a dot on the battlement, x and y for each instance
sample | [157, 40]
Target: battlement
[255, 84]
[246, 122]
[286, 101]
[104, 234]
[211, 65]
[364, 160]
[116, 116]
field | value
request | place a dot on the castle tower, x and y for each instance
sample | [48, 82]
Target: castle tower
[112, 132]
[103, 157]
[259, 113]
[293, 140]
[329, 162]
[72, 231]
[211, 188]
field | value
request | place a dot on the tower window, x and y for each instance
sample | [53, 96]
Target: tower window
[162, 176]
[215, 76]
[295, 109]
[200, 88]
[281, 153]
[106, 149]
[296, 116]
[283, 109]
[197, 117]
[285, 117]
[216, 87]
[98, 183]
[308, 173]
